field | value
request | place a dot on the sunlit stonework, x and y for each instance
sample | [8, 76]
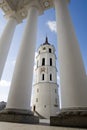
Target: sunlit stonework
[19, 8]
[73, 88]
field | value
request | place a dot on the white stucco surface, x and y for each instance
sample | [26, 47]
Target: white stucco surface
[45, 97]
[5, 41]
[23, 71]
[73, 88]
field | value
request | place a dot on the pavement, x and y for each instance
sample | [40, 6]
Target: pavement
[17, 126]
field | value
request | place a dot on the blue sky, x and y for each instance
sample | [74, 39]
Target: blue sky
[46, 25]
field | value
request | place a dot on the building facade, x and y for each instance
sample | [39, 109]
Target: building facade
[45, 97]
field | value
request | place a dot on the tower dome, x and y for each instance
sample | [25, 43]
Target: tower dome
[45, 97]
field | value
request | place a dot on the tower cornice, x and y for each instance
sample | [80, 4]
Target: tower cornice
[46, 66]
[46, 83]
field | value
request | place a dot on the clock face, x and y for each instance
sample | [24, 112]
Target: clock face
[42, 69]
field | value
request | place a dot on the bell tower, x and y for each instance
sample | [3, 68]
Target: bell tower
[45, 99]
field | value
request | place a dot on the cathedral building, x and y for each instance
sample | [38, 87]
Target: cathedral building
[45, 96]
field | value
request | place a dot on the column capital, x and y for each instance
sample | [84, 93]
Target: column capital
[24, 69]
[20, 8]
[14, 15]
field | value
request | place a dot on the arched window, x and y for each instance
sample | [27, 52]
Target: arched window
[50, 77]
[50, 61]
[42, 76]
[43, 61]
[34, 108]
[50, 51]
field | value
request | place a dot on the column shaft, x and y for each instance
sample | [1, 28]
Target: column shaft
[72, 73]
[5, 41]
[21, 86]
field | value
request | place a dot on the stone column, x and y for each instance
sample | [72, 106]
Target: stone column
[21, 86]
[72, 73]
[5, 41]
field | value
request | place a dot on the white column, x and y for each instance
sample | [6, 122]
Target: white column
[72, 73]
[21, 86]
[5, 41]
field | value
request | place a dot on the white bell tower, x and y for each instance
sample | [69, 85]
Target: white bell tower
[45, 97]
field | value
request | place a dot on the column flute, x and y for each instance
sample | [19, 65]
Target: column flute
[72, 73]
[5, 41]
[21, 86]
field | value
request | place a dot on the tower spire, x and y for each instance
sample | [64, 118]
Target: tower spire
[46, 41]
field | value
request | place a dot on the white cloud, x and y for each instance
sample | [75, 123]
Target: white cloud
[4, 89]
[58, 79]
[34, 67]
[4, 83]
[35, 60]
[52, 26]
[35, 56]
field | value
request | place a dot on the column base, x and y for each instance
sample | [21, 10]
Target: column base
[18, 116]
[70, 118]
